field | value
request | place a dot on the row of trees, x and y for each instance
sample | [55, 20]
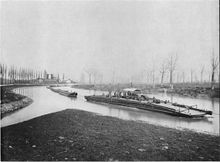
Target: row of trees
[94, 76]
[168, 72]
[169, 67]
[13, 74]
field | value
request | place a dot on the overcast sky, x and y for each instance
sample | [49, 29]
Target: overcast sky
[121, 37]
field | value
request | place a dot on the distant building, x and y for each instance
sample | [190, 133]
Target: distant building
[50, 76]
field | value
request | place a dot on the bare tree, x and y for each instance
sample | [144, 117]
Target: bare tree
[92, 74]
[89, 72]
[82, 78]
[214, 65]
[101, 78]
[19, 75]
[113, 77]
[178, 77]
[153, 77]
[58, 77]
[148, 76]
[63, 77]
[14, 74]
[183, 77]
[195, 78]
[218, 75]
[201, 73]
[97, 76]
[1, 72]
[162, 72]
[11, 74]
[191, 75]
[5, 73]
[172, 60]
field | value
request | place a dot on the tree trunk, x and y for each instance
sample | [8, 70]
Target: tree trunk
[90, 78]
[171, 79]
[162, 75]
[201, 77]
[213, 80]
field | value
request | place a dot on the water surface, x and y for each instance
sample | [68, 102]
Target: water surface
[46, 101]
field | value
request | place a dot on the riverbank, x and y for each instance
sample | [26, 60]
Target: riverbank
[189, 90]
[11, 101]
[78, 135]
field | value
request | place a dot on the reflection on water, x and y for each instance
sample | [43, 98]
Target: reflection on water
[46, 101]
[24, 91]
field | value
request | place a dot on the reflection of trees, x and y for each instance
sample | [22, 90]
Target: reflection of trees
[24, 91]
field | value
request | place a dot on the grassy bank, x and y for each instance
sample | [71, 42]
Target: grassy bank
[79, 135]
[11, 101]
[7, 95]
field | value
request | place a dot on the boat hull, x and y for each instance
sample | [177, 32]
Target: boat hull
[142, 105]
[64, 93]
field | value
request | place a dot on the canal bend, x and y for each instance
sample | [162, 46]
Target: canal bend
[46, 101]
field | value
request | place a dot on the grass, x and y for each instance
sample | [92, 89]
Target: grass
[78, 135]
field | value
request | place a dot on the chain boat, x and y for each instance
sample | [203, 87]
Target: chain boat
[131, 98]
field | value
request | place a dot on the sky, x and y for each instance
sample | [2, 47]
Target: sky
[124, 39]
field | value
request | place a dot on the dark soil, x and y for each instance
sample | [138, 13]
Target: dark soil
[78, 135]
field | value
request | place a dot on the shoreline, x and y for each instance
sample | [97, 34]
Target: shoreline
[11, 101]
[77, 135]
[11, 107]
[191, 92]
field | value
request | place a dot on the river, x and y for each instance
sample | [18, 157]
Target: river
[46, 101]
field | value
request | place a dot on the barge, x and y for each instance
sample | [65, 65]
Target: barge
[150, 104]
[64, 92]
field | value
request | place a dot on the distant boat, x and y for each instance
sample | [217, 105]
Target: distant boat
[133, 98]
[63, 92]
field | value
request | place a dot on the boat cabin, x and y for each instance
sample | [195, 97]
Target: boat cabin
[132, 90]
[127, 93]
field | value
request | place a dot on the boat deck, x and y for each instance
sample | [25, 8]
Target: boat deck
[152, 106]
[182, 109]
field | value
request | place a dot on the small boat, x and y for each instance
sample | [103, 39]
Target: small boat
[63, 92]
[151, 104]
